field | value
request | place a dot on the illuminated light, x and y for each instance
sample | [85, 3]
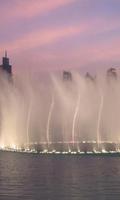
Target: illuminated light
[89, 152]
[65, 152]
[104, 151]
[82, 152]
[94, 141]
[57, 152]
[13, 146]
[2, 146]
[33, 151]
[69, 151]
[118, 150]
[112, 151]
[27, 150]
[73, 152]
[96, 151]
[45, 151]
[50, 152]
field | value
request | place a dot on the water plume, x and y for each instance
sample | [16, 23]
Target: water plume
[74, 118]
[99, 117]
[56, 113]
[49, 120]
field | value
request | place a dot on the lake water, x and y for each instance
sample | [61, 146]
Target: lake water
[59, 177]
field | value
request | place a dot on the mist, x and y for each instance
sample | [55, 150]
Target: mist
[59, 110]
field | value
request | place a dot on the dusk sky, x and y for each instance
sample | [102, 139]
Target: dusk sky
[57, 34]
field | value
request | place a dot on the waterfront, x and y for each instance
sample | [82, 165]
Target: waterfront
[51, 177]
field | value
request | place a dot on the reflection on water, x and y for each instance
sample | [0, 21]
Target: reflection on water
[58, 177]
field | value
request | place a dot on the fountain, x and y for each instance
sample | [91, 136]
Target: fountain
[73, 115]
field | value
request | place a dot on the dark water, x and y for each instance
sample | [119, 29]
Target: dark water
[55, 177]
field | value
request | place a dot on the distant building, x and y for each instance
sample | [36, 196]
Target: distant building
[5, 64]
[89, 77]
[67, 76]
[111, 73]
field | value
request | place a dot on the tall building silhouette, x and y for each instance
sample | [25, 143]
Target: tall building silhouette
[89, 77]
[67, 76]
[5, 64]
[111, 73]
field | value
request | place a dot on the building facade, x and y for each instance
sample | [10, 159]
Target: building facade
[5, 66]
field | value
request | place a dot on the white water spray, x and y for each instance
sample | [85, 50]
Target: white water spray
[28, 123]
[99, 117]
[74, 119]
[49, 119]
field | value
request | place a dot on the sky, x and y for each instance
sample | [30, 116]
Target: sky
[60, 34]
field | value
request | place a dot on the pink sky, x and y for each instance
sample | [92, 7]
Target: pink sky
[58, 34]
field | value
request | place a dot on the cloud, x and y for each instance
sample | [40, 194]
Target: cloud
[15, 9]
[92, 55]
[95, 50]
[46, 36]
[41, 37]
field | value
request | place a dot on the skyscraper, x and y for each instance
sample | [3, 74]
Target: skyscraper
[67, 76]
[111, 74]
[5, 64]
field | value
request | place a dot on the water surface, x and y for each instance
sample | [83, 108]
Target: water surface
[59, 177]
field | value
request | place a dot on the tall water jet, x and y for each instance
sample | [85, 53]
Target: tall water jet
[49, 120]
[74, 118]
[99, 117]
[28, 123]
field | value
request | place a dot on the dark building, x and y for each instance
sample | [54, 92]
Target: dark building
[89, 77]
[67, 76]
[5, 64]
[111, 73]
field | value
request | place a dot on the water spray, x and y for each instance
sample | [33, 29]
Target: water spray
[49, 120]
[28, 123]
[74, 118]
[99, 117]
